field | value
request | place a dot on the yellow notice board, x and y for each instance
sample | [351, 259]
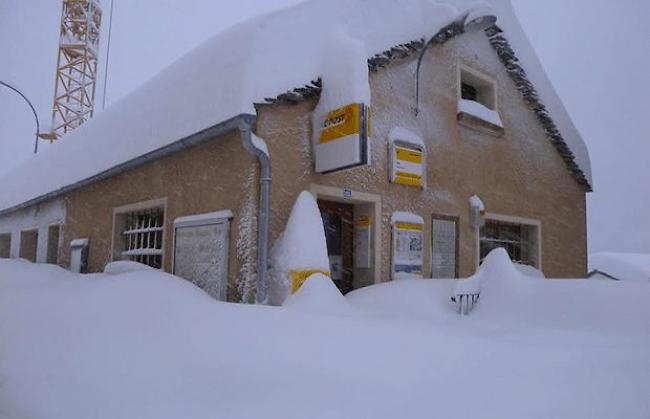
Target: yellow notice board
[407, 249]
[407, 166]
[364, 221]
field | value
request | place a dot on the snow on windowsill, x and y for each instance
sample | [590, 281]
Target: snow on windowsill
[476, 115]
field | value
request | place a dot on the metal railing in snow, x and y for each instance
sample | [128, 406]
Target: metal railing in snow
[465, 302]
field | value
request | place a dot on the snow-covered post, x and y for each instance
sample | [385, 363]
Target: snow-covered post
[476, 211]
[79, 255]
[300, 251]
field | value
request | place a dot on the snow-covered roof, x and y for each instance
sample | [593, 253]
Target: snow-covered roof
[622, 266]
[227, 74]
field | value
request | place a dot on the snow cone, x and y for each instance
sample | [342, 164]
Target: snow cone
[300, 251]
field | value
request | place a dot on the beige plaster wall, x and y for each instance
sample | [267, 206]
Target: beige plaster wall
[213, 176]
[519, 173]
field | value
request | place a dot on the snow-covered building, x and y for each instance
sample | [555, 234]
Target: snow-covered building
[196, 171]
[633, 267]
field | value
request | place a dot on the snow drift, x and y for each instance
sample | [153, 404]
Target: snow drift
[149, 345]
[514, 298]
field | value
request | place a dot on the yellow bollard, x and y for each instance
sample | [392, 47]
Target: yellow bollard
[298, 277]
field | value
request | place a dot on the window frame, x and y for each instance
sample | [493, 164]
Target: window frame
[119, 212]
[483, 80]
[511, 219]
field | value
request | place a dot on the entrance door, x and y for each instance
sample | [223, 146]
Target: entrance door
[338, 220]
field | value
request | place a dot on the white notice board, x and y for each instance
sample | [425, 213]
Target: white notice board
[443, 248]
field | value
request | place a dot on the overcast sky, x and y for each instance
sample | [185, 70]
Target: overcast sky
[596, 52]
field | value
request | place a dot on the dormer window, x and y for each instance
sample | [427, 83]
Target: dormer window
[477, 101]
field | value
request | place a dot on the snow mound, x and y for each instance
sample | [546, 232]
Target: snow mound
[529, 271]
[124, 266]
[424, 299]
[318, 294]
[301, 247]
[622, 266]
[501, 283]
[496, 272]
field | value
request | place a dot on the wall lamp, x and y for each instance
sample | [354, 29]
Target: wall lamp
[39, 134]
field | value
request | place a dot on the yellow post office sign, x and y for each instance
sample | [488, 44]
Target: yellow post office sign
[343, 141]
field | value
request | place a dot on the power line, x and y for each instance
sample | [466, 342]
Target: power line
[108, 51]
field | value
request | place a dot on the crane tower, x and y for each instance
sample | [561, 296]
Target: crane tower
[76, 72]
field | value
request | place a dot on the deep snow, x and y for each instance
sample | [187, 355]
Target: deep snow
[148, 345]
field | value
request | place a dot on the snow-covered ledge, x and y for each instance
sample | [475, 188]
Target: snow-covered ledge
[475, 115]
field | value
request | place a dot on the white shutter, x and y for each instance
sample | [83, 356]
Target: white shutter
[443, 248]
[201, 250]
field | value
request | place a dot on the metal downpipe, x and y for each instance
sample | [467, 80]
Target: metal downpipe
[258, 149]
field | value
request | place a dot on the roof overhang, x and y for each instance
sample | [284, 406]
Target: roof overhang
[197, 138]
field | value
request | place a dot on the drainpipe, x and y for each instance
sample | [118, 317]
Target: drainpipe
[257, 147]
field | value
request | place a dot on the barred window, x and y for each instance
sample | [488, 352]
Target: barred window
[142, 236]
[519, 240]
